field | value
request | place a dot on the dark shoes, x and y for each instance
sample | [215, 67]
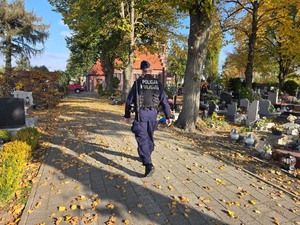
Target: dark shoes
[149, 170]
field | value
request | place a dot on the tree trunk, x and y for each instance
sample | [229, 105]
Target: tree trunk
[283, 72]
[251, 45]
[110, 67]
[129, 65]
[197, 48]
[8, 83]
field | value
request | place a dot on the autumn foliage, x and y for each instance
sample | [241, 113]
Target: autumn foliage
[43, 85]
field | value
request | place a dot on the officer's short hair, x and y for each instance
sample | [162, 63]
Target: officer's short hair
[145, 65]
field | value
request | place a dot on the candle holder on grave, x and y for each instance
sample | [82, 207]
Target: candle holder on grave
[288, 162]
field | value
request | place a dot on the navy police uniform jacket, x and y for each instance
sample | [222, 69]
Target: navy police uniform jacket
[151, 94]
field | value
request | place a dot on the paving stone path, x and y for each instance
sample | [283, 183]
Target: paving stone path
[92, 174]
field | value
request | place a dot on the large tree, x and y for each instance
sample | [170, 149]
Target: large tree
[244, 18]
[20, 32]
[282, 39]
[115, 28]
[200, 13]
[248, 21]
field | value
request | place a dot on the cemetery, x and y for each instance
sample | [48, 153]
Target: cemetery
[271, 122]
[267, 124]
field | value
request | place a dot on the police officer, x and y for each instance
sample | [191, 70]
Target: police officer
[146, 94]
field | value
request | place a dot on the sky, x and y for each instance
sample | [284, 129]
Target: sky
[56, 53]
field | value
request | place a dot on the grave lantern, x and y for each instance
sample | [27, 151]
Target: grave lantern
[234, 136]
[288, 162]
[27, 101]
[249, 140]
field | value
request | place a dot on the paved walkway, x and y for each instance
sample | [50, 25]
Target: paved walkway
[92, 174]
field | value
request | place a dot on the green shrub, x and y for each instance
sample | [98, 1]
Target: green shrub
[30, 135]
[290, 86]
[5, 135]
[13, 158]
[100, 90]
[235, 84]
[169, 94]
[115, 83]
[246, 92]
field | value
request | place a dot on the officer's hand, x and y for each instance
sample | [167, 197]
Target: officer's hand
[127, 120]
[168, 122]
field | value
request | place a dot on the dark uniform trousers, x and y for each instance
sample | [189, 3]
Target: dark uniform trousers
[144, 128]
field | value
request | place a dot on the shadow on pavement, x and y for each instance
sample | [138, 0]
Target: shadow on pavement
[90, 150]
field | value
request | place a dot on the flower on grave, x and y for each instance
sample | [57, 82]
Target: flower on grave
[268, 148]
[291, 118]
[243, 108]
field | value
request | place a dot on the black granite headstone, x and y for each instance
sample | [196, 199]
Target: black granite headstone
[236, 95]
[225, 97]
[12, 113]
[212, 108]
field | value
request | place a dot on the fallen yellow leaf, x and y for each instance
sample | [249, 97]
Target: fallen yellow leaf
[230, 213]
[252, 202]
[257, 211]
[110, 206]
[183, 199]
[81, 197]
[170, 188]
[222, 167]
[111, 220]
[237, 204]
[62, 208]
[68, 218]
[58, 220]
[219, 182]
[206, 200]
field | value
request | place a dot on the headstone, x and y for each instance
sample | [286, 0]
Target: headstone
[264, 106]
[12, 113]
[27, 96]
[244, 103]
[236, 95]
[252, 113]
[273, 96]
[226, 97]
[213, 107]
[232, 111]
